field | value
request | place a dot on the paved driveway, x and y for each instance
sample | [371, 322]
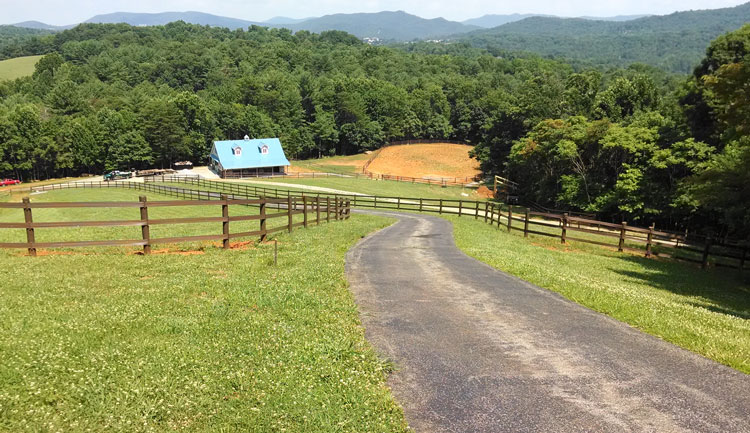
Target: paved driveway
[477, 350]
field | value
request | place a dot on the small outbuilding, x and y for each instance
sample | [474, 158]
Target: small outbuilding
[248, 158]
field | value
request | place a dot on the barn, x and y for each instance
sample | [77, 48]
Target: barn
[248, 158]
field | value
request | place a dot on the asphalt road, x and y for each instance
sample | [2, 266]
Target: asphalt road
[477, 350]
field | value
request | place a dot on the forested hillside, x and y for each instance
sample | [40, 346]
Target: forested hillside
[630, 143]
[18, 41]
[673, 42]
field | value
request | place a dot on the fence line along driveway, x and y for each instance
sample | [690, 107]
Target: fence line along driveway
[477, 350]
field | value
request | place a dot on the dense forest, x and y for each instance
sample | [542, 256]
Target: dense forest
[674, 42]
[634, 143]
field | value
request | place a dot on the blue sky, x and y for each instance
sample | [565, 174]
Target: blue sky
[72, 11]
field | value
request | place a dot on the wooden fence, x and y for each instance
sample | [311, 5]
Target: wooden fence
[313, 209]
[622, 237]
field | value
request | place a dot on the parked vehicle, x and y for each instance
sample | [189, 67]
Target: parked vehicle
[7, 182]
[114, 175]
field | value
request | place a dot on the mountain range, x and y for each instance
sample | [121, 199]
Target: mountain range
[387, 25]
[673, 42]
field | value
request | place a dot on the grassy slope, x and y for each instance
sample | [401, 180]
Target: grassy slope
[334, 164]
[19, 67]
[222, 341]
[707, 312]
[384, 187]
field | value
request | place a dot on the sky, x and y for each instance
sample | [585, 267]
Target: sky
[61, 12]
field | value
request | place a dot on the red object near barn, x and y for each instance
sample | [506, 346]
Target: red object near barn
[7, 182]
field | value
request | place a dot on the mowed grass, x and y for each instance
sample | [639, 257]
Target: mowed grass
[19, 67]
[388, 188]
[707, 312]
[102, 340]
[334, 164]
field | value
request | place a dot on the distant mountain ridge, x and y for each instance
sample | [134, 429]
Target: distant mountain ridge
[157, 19]
[397, 26]
[491, 21]
[674, 42]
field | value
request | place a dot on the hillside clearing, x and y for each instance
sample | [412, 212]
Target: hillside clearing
[19, 67]
[432, 160]
[102, 341]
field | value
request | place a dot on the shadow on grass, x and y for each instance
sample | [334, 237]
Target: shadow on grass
[721, 291]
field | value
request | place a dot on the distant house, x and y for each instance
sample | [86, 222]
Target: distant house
[248, 158]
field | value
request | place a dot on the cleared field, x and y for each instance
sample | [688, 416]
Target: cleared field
[333, 164]
[707, 312]
[426, 160]
[390, 188]
[19, 67]
[218, 341]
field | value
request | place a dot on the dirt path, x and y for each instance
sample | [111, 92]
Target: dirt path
[478, 350]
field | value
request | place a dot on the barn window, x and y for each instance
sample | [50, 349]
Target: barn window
[264, 149]
[237, 151]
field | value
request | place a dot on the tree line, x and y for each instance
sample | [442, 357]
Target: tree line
[634, 143]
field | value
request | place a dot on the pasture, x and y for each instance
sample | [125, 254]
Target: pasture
[19, 67]
[194, 338]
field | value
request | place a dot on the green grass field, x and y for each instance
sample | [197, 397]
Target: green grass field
[389, 188]
[707, 312]
[334, 164]
[19, 67]
[102, 340]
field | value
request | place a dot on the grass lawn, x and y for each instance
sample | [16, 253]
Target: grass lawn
[390, 188]
[707, 312]
[102, 340]
[19, 67]
[335, 164]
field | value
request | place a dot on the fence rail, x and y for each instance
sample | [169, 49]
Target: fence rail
[311, 208]
[568, 228]
[621, 237]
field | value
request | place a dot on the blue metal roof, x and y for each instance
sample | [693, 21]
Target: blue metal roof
[250, 155]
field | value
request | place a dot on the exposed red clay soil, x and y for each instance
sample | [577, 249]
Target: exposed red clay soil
[484, 192]
[432, 160]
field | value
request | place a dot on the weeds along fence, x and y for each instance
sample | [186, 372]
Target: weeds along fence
[622, 237]
[313, 211]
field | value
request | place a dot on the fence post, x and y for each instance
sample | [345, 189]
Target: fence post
[486, 207]
[335, 208]
[510, 218]
[30, 239]
[492, 214]
[145, 230]
[441, 207]
[420, 204]
[289, 213]
[348, 208]
[460, 207]
[317, 210]
[398, 203]
[621, 244]
[304, 210]
[650, 239]
[564, 233]
[476, 210]
[526, 224]
[225, 222]
[328, 209]
[704, 260]
[263, 230]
